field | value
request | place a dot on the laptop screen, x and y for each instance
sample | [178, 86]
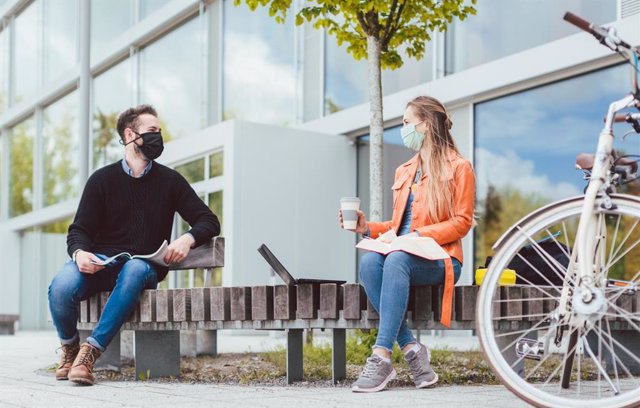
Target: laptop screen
[276, 265]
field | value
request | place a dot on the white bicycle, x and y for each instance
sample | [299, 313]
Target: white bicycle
[568, 333]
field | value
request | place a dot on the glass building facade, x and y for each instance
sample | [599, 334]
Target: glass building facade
[204, 62]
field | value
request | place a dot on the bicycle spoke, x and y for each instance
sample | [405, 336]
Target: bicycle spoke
[614, 355]
[519, 317]
[614, 360]
[622, 347]
[615, 235]
[599, 365]
[522, 331]
[622, 291]
[550, 235]
[520, 300]
[546, 258]
[624, 314]
[625, 238]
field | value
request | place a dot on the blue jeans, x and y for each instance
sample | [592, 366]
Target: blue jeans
[387, 279]
[125, 280]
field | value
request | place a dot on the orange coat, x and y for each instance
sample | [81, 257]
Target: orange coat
[447, 233]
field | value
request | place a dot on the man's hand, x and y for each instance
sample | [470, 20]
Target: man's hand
[179, 249]
[83, 260]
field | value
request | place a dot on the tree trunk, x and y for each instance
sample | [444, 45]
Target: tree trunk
[376, 129]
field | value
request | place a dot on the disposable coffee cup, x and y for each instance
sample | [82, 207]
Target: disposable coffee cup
[350, 206]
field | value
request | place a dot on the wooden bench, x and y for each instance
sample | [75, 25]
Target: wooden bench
[8, 323]
[161, 314]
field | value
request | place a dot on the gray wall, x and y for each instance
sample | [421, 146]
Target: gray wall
[286, 186]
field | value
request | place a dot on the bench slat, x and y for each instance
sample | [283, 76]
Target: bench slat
[531, 303]
[422, 307]
[330, 300]
[200, 307]
[241, 303]
[465, 298]
[164, 305]
[181, 305]
[94, 309]
[84, 311]
[148, 306]
[624, 302]
[262, 302]
[284, 302]
[308, 300]
[372, 314]
[513, 307]
[220, 303]
[353, 301]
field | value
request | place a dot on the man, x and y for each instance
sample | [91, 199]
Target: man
[127, 206]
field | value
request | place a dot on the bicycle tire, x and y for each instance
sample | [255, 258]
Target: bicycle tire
[507, 247]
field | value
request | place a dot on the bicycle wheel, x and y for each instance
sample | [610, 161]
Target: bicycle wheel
[592, 363]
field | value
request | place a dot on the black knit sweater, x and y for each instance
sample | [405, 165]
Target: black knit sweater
[120, 213]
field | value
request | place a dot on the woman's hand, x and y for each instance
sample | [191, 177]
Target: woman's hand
[361, 227]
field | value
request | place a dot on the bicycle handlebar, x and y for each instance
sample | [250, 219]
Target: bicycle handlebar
[606, 36]
[626, 117]
[578, 22]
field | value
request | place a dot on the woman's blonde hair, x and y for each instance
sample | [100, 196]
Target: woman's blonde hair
[440, 144]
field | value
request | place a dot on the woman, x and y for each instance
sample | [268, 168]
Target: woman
[433, 196]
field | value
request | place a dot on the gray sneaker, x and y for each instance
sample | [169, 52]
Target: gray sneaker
[375, 375]
[420, 366]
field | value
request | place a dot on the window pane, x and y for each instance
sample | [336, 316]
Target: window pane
[394, 153]
[346, 80]
[150, 6]
[59, 227]
[215, 164]
[21, 167]
[2, 162]
[4, 74]
[26, 52]
[215, 204]
[192, 171]
[255, 43]
[170, 73]
[112, 95]
[489, 35]
[108, 20]
[526, 145]
[60, 150]
[60, 49]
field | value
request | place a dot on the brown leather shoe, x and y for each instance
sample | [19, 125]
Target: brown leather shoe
[81, 371]
[67, 357]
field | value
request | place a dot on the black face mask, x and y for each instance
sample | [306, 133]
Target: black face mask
[153, 145]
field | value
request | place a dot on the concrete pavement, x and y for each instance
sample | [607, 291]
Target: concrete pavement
[23, 383]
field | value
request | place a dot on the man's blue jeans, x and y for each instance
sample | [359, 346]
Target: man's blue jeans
[387, 280]
[125, 280]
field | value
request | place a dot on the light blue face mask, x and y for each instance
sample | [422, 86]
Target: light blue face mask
[411, 137]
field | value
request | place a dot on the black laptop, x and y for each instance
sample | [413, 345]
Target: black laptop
[284, 274]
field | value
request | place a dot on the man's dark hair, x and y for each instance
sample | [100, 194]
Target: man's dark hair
[129, 118]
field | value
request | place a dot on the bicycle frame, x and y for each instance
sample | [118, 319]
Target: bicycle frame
[587, 227]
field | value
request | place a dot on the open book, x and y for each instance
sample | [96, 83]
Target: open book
[156, 257]
[388, 242]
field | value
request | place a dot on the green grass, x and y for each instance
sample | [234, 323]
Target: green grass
[453, 367]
